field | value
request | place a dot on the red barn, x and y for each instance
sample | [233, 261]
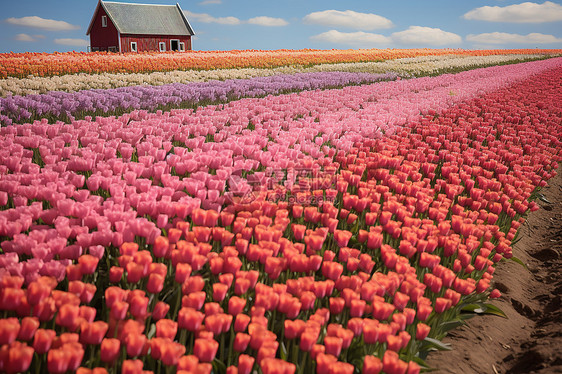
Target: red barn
[128, 27]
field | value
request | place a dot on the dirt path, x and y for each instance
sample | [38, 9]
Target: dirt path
[530, 340]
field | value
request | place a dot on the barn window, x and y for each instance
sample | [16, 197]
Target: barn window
[174, 44]
[103, 21]
[162, 46]
[182, 47]
[133, 46]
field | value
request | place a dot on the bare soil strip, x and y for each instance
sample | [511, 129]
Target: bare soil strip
[530, 340]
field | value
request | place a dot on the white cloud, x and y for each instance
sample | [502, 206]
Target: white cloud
[348, 18]
[207, 18]
[25, 38]
[261, 21]
[42, 23]
[422, 36]
[209, 2]
[73, 42]
[518, 13]
[358, 39]
[505, 38]
[417, 35]
[268, 21]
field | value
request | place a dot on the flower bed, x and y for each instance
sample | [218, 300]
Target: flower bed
[362, 223]
[65, 105]
[44, 64]
[407, 67]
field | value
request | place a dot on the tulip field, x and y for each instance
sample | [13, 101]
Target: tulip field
[297, 212]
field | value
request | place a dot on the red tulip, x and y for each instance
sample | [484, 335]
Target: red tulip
[324, 362]
[413, 368]
[58, 360]
[42, 340]
[37, 291]
[18, 357]
[29, 326]
[372, 365]
[128, 248]
[190, 319]
[119, 310]
[135, 344]
[342, 368]
[187, 363]
[218, 323]
[193, 284]
[166, 328]
[241, 342]
[374, 240]
[67, 315]
[161, 246]
[171, 353]
[155, 283]
[212, 308]
[245, 364]
[131, 367]
[342, 237]
[422, 330]
[370, 332]
[241, 322]
[298, 231]
[332, 270]
[88, 264]
[392, 363]
[308, 339]
[110, 349]
[241, 286]
[333, 345]
[9, 329]
[205, 349]
[442, 304]
[219, 291]
[183, 271]
[75, 351]
[276, 366]
[138, 307]
[236, 305]
[93, 333]
[356, 326]
[424, 311]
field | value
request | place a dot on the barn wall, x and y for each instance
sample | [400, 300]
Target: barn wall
[151, 42]
[103, 37]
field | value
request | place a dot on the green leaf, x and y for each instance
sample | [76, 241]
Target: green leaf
[218, 366]
[494, 310]
[425, 368]
[437, 344]
[482, 308]
[543, 198]
[152, 331]
[465, 316]
[518, 261]
[450, 325]
[470, 308]
[283, 352]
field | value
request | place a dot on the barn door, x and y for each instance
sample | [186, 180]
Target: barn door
[175, 44]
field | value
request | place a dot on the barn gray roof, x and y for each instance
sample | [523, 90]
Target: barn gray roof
[130, 18]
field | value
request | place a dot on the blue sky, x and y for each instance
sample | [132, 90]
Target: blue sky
[60, 25]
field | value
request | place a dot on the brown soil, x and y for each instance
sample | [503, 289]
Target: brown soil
[530, 340]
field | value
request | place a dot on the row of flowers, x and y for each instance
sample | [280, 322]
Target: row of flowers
[364, 261]
[163, 165]
[43, 64]
[70, 105]
[405, 67]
